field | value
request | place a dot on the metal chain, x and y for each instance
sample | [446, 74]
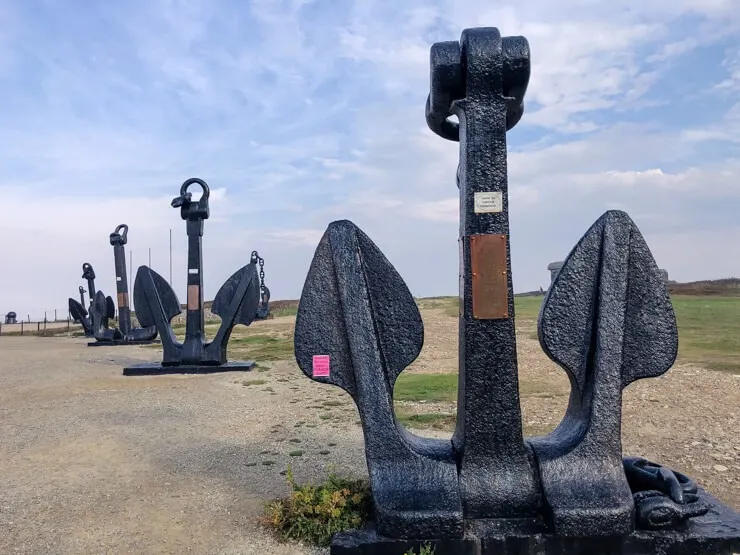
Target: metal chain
[257, 258]
[262, 272]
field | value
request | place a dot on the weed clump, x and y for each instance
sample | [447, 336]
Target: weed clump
[313, 514]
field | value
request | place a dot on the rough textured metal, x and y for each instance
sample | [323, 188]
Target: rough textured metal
[497, 472]
[716, 533]
[130, 333]
[357, 310]
[77, 310]
[80, 315]
[95, 320]
[607, 321]
[102, 308]
[156, 303]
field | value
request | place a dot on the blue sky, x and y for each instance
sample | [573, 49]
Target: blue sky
[300, 112]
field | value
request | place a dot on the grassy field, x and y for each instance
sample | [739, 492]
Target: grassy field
[709, 331]
[709, 335]
[708, 326]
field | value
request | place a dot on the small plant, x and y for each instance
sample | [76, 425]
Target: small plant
[424, 549]
[313, 514]
[247, 383]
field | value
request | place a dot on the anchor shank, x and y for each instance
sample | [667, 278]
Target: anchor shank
[195, 320]
[497, 476]
[124, 310]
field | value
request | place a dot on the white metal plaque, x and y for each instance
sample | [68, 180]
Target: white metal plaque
[488, 202]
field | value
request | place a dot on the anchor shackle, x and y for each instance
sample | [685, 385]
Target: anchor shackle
[193, 210]
[87, 271]
[118, 238]
[481, 62]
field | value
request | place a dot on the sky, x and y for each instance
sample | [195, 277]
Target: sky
[301, 112]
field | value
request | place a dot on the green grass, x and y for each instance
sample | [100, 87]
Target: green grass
[433, 420]
[709, 331]
[526, 308]
[263, 347]
[429, 387]
[442, 388]
[708, 326]
[288, 311]
[247, 383]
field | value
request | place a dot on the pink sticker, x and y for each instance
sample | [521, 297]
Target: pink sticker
[321, 366]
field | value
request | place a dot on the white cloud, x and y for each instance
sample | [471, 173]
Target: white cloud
[298, 114]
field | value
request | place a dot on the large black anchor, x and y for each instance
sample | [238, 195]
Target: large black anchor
[607, 320]
[79, 313]
[77, 309]
[100, 310]
[263, 311]
[157, 304]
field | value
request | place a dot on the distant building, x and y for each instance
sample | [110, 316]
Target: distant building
[554, 268]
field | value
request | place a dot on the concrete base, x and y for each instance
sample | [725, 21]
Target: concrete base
[156, 368]
[121, 342]
[716, 533]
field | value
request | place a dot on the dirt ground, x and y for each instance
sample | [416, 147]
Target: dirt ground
[687, 419]
[35, 327]
[95, 462]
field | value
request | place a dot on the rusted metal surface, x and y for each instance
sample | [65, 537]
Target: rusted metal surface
[122, 300]
[489, 269]
[193, 297]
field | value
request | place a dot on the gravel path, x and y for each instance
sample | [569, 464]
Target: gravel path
[95, 462]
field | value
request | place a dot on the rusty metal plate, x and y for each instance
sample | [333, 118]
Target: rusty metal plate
[193, 297]
[490, 276]
[122, 300]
